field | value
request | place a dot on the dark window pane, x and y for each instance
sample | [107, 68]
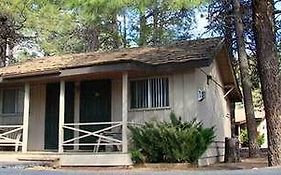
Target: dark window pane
[149, 93]
[133, 94]
[9, 101]
[139, 94]
[159, 89]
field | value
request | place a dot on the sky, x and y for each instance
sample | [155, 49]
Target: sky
[202, 22]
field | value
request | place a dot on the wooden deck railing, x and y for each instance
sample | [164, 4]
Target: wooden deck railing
[107, 134]
[10, 135]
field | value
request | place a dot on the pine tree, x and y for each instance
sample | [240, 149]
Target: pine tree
[269, 71]
[246, 81]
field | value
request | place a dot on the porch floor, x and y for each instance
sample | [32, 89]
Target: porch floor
[71, 158]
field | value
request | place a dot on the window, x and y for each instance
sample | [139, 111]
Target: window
[149, 93]
[9, 101]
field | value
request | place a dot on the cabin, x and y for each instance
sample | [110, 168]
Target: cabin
[76, 108]
[240, 124]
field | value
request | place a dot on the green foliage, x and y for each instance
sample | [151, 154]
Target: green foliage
[257, 98]
[244, 137]
[68, 26]
[245, 140]
[182, 4]
[174, 141]
[45, 23]
[137, 156]
[261, 139]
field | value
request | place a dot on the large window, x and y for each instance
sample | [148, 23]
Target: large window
[149, 93]
[10, 101]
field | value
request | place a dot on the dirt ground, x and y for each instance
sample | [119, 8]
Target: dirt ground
[246, 163]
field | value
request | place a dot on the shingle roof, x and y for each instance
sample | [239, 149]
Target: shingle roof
[177, 52]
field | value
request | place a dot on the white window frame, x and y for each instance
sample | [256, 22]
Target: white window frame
[149, 94]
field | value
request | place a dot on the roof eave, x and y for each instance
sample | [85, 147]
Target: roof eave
[103, 68]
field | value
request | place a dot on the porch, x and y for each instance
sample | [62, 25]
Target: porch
[78, 126]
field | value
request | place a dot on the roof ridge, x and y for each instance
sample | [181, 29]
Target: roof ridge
[115, 50]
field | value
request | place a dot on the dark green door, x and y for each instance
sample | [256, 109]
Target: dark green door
[52, 113]
[52, 116]
[95, 105]
[69, 110]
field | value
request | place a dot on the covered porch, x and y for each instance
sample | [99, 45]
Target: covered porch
[72, 118]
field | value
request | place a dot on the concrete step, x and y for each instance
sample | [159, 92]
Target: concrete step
[24, 164]
[43, 159]
[56, 160]
[53, 162]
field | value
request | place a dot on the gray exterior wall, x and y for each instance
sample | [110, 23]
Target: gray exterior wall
[213, 110]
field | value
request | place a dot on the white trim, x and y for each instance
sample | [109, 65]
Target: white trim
[1, 101]
[76, 112]
[17, 100]
[150, 109]
[61, 116]
[159, 85]
[90, 123]
[228, 92]
[148, 94]
[98, 133]
[149, 77]
[124, 111]
[26, 117]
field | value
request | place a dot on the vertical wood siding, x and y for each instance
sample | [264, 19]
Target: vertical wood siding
[37, 118]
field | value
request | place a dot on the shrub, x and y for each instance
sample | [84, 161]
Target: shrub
[245, 140]
[137, 157]
[172, 142]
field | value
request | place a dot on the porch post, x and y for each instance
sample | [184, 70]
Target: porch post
[25, 117]
[124, 111]
[61, 115]
[76, 112]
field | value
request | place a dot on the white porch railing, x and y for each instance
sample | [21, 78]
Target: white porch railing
[109, 135]
[10, 135]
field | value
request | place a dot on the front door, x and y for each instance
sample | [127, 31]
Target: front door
[52, 116]
[52, 113]
[95, 105]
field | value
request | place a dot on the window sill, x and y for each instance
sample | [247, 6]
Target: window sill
[149, 109]
[11, 115]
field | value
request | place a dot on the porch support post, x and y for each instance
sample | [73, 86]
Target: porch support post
[76, 113]
[124, 111]
[25, 117]
[61, 115]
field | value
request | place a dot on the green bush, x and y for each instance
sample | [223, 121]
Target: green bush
[137, 157]
[245, 140]
[172, 142]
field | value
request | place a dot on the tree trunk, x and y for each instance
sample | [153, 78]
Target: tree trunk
[143, 30]
[4, 35]
[91, 37]
[228, 30]
[246, 82]
[268, 67]
[3, 48]
[114, 29]
[156, 34]
[232, 151]
[124, 31]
